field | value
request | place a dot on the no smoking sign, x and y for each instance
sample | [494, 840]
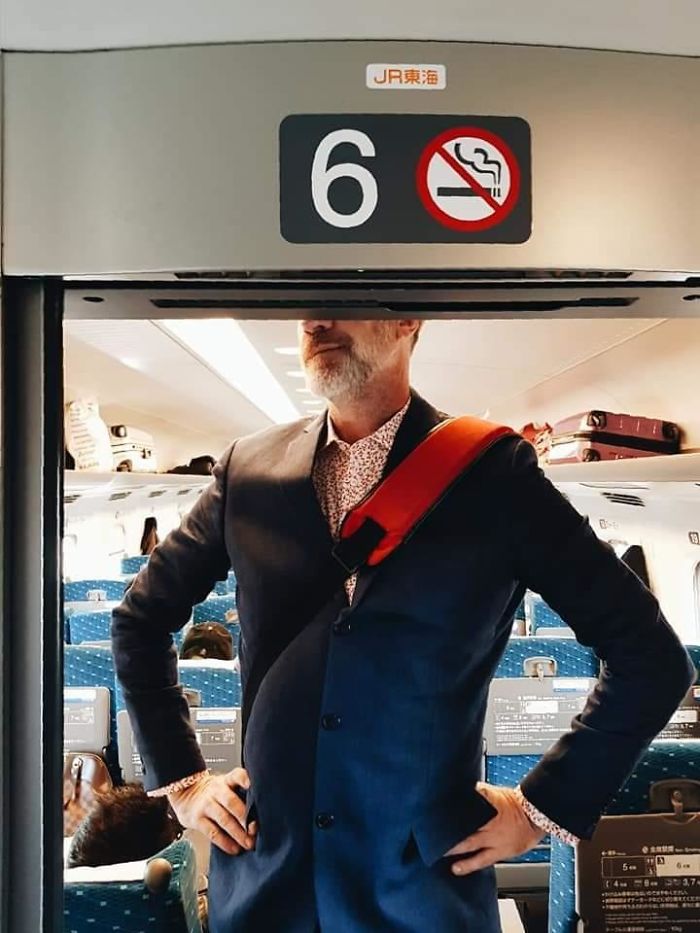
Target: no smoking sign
[404, 178]
[468, 179]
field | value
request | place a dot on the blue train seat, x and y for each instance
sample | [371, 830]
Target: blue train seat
[216, 609]
[218, 682]
[661, 761]
[694, 652]
[570, 668]
[79, 590]
[93, 904]
[93, 666]
[573, 659]
[131, 565]
[543, 620]
[82, 627]
[89, 626]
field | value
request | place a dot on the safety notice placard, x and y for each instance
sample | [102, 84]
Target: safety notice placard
[405, 178]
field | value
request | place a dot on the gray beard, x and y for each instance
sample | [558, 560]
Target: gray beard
[344, 381]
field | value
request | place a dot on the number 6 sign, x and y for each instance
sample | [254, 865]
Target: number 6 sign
[404, 178]
[322, 177]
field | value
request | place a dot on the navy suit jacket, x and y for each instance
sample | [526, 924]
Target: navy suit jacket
[365, 732]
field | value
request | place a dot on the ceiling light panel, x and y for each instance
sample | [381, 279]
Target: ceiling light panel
[226, 350]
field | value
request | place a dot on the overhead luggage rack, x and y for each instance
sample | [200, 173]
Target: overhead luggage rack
[82, 488]
[674, 468]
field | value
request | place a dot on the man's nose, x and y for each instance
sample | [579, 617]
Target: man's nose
[315, 327]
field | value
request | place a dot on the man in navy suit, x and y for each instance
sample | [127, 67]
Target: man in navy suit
[365, 695]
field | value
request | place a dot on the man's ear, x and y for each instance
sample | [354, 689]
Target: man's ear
[409, 327]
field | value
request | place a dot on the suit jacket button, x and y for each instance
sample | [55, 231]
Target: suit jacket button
[341, 627]
[330, 721]
[324, 820]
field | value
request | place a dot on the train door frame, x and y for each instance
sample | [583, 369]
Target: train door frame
[33, 311]
[30, 719]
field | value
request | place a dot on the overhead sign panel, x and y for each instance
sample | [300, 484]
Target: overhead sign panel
[405, 178]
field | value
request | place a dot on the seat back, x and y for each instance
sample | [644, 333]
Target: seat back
[80, 590]
[216, 609]
[685, 722]
[573, 659]
[694, 652]
[93, 666]
[574, 662]
[134, 564]
[100, 900]
[661, 761]
[218, 682]
[519, 725]
[218, 732]
[543, 620]
[89, 626]
[86, 719]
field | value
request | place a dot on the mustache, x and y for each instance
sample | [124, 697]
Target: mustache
[313, 345]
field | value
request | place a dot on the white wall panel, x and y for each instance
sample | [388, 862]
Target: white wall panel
[644, 25]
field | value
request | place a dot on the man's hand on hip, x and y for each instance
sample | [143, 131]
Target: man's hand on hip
[213, 808]
[509, 833]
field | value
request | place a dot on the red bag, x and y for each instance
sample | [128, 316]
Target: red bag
[603, 435]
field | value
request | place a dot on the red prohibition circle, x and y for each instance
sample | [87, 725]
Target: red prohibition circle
[436, 212]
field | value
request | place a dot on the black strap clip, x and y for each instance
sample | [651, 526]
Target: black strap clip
[351, 553]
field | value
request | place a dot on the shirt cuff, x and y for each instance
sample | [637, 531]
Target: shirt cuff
[538, 819]
[176, 786]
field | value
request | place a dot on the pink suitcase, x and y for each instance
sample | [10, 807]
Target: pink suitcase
[603, 435]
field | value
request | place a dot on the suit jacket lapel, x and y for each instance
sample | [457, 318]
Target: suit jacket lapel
[295, 482]
[294, 479]
[418, 421]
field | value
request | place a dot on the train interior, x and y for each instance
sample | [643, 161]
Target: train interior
[180, 185]
[170, 394]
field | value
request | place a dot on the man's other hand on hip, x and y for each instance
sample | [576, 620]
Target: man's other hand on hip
[212, 807]
[508, 834]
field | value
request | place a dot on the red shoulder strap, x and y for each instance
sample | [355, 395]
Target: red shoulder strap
[391, 512]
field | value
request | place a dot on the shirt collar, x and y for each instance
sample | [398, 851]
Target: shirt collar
[384, 436]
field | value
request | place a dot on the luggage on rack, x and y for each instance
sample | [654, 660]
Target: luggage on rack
[198, 466]
[603, 435]
[133, 450]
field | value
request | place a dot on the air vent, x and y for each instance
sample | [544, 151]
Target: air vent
[115, 496]
[184, 492]
[69, 500]
[447, 307]
[621, 498]
[156, 493]
[466, 275]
